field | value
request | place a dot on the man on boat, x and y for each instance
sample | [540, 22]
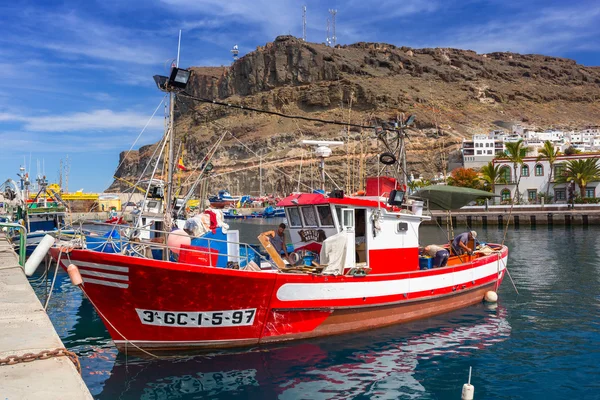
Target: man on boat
[440, 255]
[460, 242]
[277, 239]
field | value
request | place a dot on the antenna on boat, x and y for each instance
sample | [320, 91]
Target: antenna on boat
[322, 150]
[395, 153]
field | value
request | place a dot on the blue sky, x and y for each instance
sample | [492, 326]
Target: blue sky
[76, 75]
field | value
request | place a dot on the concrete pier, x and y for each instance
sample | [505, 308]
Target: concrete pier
[26, 328]
[519, 216]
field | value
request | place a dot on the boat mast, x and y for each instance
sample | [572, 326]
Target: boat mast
[260, 174]
[171, 149]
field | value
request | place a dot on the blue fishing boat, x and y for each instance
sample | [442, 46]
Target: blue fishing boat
[43, 214]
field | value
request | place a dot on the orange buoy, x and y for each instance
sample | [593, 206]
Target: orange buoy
[74, 275]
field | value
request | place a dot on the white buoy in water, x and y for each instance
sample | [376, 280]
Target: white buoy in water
[468, 390]
[491, 296]
[38, 254]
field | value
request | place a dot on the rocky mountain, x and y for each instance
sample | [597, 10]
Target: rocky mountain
[454, 94]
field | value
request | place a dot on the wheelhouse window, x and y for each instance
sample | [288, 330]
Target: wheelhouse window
[539, 170]
[294, 217]
[310, 217]
[525, 170]
[505, 195]
[325, 216]
[338, 211]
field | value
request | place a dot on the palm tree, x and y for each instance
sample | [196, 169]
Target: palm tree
[515, 152]
[581, 172]
[549, 153]
[492, 175]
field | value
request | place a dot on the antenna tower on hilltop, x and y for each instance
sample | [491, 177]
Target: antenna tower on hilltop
[333, 38]
[235, 51]
[304, 23]
[328, 40]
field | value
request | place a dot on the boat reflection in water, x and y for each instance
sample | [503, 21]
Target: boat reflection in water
[382, 363]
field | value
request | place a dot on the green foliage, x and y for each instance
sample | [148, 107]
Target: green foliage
[515, 152]
[491, 175]
[549, 153]
[581, 172]
[547, 198]
[416, 185]
[569, 151]
[464, 177]
[587, 200]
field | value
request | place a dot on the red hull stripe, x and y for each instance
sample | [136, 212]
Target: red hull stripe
[356, 290]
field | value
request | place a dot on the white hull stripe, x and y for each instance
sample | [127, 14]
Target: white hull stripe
[106, 283]
[101, 266]
[353, 290]
[103, 275]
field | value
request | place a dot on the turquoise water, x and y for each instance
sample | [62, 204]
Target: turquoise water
[543, 343]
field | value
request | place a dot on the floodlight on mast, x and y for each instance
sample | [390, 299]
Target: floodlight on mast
[322, 150]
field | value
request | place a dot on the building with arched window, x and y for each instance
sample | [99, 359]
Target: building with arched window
[533, 186]
[539, 169]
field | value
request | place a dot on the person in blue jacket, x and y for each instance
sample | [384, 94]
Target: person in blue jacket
[461, 241]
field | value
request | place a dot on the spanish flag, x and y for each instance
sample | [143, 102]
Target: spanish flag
[180, 164]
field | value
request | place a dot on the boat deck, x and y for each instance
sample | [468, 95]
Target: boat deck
[26, 328]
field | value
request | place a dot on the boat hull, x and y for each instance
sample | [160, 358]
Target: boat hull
[168, 306]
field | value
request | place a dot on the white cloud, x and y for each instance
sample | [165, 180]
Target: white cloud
[550, 30]
[97, 120]
[101, 96]
[271, 19]
[72, 35]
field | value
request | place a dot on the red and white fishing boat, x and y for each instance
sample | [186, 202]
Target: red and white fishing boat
[367, 273]
[372, 278]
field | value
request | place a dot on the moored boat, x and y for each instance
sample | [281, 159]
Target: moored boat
[223, 199]
[355, 266]
[367, 276]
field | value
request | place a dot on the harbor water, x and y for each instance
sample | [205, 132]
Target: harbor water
[542, 343]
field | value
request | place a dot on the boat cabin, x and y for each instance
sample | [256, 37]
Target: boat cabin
[381, 228]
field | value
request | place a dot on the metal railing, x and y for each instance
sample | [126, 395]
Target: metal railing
[137, 247]
[22, 239]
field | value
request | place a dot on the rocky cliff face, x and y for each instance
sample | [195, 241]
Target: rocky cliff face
[454, 93]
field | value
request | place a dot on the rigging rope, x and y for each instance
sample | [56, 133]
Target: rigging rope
[141, 133]
[240, 107]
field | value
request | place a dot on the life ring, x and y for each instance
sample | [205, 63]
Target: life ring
[387, 158]
[294, 258]
[360, 193]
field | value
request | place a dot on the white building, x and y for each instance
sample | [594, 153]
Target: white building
[482, 149]
[534, 180]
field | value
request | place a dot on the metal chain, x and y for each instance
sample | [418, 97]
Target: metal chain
[42, 355]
